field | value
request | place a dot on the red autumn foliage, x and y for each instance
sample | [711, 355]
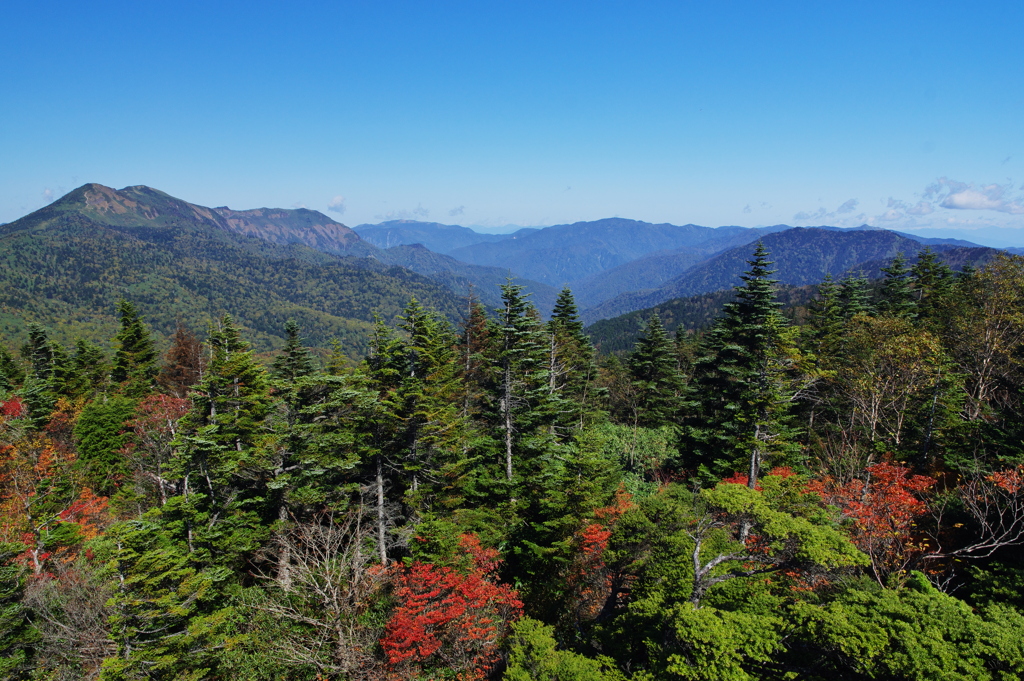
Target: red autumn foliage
[450, 619]
[742, 478]
[13, 408]
[588, 575]
[41, 499]
[882, 512]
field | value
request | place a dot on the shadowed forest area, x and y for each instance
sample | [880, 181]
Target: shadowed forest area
[837, 499]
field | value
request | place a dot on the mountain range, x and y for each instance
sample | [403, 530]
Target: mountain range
[68, 263]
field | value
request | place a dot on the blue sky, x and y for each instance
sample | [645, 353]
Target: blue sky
[533, 113]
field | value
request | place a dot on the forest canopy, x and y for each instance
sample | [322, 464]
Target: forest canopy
[839, 498]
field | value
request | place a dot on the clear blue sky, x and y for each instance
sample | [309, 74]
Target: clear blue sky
[533, 113]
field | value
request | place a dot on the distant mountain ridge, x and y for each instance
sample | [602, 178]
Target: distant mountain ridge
[67, 264]
[436, 236]
[802, 255]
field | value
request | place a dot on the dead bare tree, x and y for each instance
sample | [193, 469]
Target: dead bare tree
[994, 504]
[69, 610]
[334, 577]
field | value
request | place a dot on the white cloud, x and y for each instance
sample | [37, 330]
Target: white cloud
[337, 205]
[457, 211]
[299, 204]
[987, 198]
[922, 208]
[48, 195]
[421, 211]
[957, 195]
[747, 208]
[848, 207]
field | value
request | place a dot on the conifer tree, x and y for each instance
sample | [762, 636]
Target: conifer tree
[854, 296]
[11, 374]
[741, 392]
[572, 368]
[433, 426]
[48, 367]
[520, 386]
[474, 340]
[295, 360]
[88, 370]
[17, 633]
[218, 461]
[897, 296]
[932, 282]
[135, 359]
[654, 372]
[826, 316]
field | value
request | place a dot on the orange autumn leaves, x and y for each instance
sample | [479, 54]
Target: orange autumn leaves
[43, 505]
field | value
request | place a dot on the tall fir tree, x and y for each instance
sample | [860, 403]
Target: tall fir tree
[855, 296]
[741, 392]
[932, 281]
[519, 385]
[218, 456]
[295, 360]
[826, 322]
[11, 373]
[135, 359]
[654, 372]
[897, 294]
[572, 369]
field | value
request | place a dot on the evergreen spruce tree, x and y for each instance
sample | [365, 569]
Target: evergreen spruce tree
[11, 373]
[434, 428]
[520, 383]
[135, 359]
[826, 321]
[17, 634]
[295, 360]
[218, 461]
[741, 392]
[88, 371]
[897, 295]
[932, 282]
[48, 367]
[654, 372]
[854, 296]
[572, 369]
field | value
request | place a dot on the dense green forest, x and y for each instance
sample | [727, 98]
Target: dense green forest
[839, 496]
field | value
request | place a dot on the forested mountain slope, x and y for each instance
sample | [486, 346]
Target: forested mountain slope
[619, 334]
[67, 265]
[483, 283]
[565, 253]
[804, 256]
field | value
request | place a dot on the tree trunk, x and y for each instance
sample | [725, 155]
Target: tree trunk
[381, 520]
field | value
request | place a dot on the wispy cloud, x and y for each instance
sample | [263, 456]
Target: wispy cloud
[48, 195]
[848, 207]
[337, 205]
[823, 215]
[957, 195]
[457, 211]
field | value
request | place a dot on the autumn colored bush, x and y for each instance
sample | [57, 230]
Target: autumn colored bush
[450, 619]
[588, 577]
[881, 510]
